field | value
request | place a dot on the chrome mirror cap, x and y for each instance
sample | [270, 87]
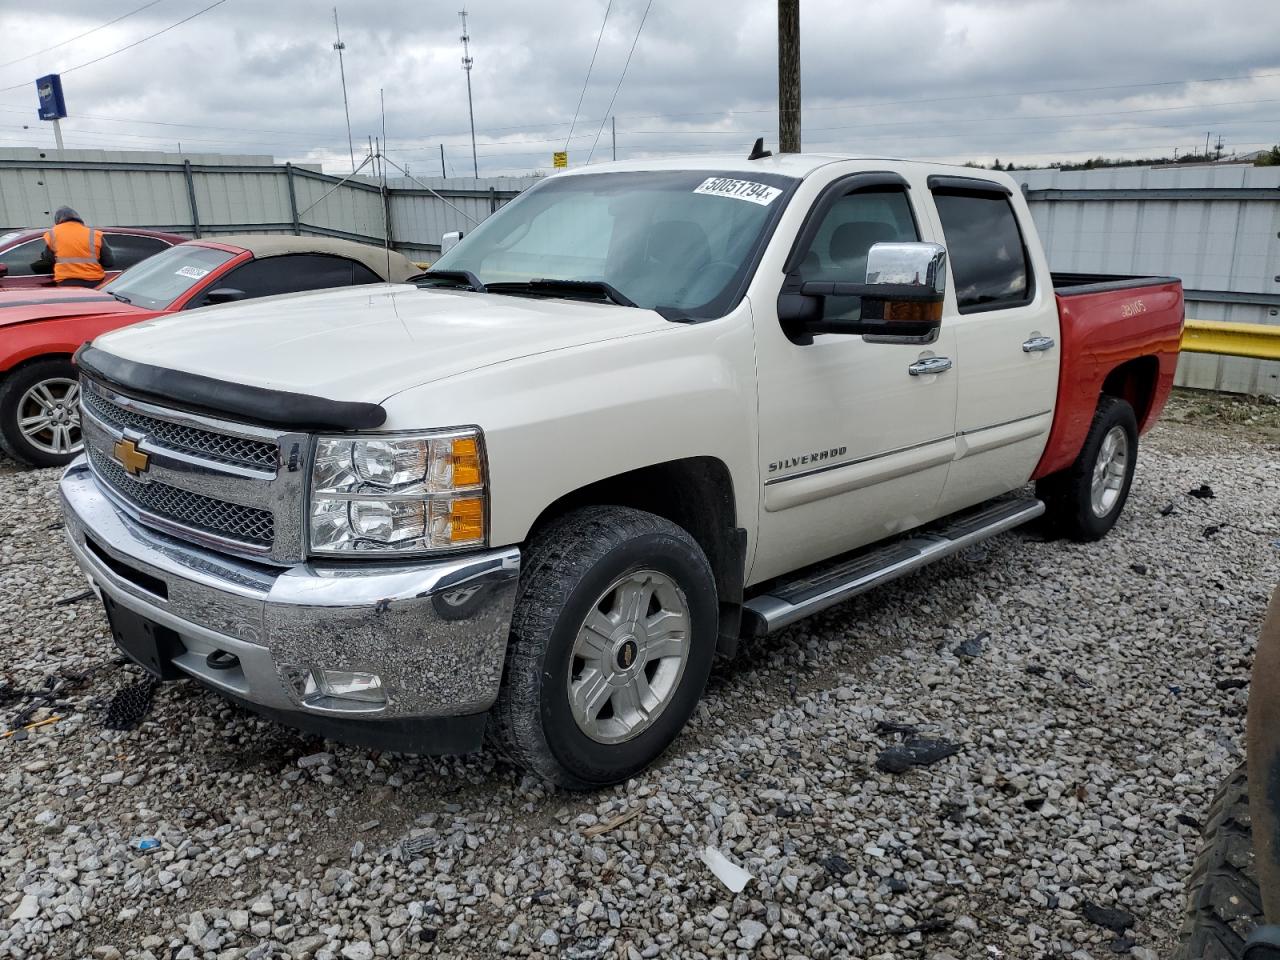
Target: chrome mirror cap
[449, 241]
[909, 264]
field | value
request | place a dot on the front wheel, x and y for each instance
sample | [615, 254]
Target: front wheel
[611, 644]
[40, 413]
[1085, 500]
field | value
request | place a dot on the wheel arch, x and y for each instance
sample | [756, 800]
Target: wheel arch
[1134, 381]
[696, 494]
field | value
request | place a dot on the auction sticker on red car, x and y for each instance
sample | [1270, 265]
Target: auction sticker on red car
[760, 193]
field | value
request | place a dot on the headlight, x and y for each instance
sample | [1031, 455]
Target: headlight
[398, 494]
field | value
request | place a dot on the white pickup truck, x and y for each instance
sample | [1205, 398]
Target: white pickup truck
[643, 412]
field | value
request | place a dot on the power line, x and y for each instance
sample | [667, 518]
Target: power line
[587, 79]
[151, 36]
[609, 108]
[80, 36]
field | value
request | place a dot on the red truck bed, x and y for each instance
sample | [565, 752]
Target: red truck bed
[1119, 335]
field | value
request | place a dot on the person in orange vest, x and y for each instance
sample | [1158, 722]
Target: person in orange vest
[76, 255]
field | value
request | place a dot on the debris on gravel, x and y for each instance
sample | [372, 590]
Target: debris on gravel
[1091, 734]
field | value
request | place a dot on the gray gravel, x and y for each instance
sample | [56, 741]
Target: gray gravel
[1091, 725]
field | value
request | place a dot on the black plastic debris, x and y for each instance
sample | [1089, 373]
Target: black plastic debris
[972, 647]
[1211, 530]
[130, 705]
[895, 726]
[835, 865]
[916, 752]
[1167, 509]
[1037, 669]
[1202, 492]
[1232, 683]
[1189, 821]
[74, 598]
[1139, 568]
[1113, 919]
[897, 885]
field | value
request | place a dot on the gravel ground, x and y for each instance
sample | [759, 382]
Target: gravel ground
[1096, 694]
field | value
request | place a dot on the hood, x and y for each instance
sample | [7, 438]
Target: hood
[367, 343]
[39, 303]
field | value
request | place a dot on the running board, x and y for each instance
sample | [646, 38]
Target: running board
[825, 585]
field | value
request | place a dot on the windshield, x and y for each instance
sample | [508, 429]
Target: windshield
[680, 239]
[158, 281]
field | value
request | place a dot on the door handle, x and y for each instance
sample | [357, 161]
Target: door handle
[929, 365]
[1037, 345]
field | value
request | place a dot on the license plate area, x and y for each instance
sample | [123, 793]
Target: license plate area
[148, 644]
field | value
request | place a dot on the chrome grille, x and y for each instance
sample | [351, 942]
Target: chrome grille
[215, 446]
[232, 521]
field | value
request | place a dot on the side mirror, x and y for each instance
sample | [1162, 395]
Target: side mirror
[902, 296]
[449, 241]
[223, 295]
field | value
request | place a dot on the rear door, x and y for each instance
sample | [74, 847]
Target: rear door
[1001, 309]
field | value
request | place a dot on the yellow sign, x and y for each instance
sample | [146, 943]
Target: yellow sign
[560, 159]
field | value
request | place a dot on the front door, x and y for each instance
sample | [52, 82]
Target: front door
[854, 447]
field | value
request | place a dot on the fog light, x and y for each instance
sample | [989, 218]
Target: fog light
[353, 685]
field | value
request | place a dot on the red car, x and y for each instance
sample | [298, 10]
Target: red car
[41, 329]
[19, 249]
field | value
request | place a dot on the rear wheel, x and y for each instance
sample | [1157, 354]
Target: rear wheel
[611, 644]
[40, 413]
[1223, 901]
[1085, 500]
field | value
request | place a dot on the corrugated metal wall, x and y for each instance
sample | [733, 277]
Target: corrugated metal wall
[240, 194]
[1215, 227]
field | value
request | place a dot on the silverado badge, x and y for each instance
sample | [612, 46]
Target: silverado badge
[128, 455]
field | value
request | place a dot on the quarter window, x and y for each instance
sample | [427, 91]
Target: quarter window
[130, 248]
[984, 244]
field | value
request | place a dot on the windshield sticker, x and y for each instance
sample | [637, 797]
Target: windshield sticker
[191, 273]
[749, 190]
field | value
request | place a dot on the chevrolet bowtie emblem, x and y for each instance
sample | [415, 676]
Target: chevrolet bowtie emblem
[128, 455]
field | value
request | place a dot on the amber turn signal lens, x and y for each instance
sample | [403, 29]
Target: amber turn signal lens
[466, 462]
[912, 311]
[466, 520]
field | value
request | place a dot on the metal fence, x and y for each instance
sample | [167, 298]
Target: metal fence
[1217, 227]
[212, 195]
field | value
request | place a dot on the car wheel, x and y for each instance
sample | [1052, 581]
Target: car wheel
[40, 413]
[611, 644]
[1224, 904]
[1085, 500]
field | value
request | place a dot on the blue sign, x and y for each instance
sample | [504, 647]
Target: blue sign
[52, 105]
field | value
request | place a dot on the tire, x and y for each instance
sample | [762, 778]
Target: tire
[17, 401]
[578, 566]
[1070, 505]
[1223, 901]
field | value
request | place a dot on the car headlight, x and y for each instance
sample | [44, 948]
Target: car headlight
[398, 494]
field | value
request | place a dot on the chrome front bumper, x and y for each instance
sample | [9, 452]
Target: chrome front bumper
[436, 633]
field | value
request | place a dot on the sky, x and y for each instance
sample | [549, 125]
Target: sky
[1028, 81]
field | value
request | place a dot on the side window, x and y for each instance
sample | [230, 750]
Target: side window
[290, 273]
[988, 258]
[850, 228]
[19, 259]
[362, 274]
[130, 248]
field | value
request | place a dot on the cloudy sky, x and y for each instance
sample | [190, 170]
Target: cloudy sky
[1019, 80]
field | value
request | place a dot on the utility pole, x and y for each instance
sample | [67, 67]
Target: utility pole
[342, 71]
[466, 66]
[1218, 148]
[613, 123]
[788, 76]
[1206, 145]
[443, 172]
